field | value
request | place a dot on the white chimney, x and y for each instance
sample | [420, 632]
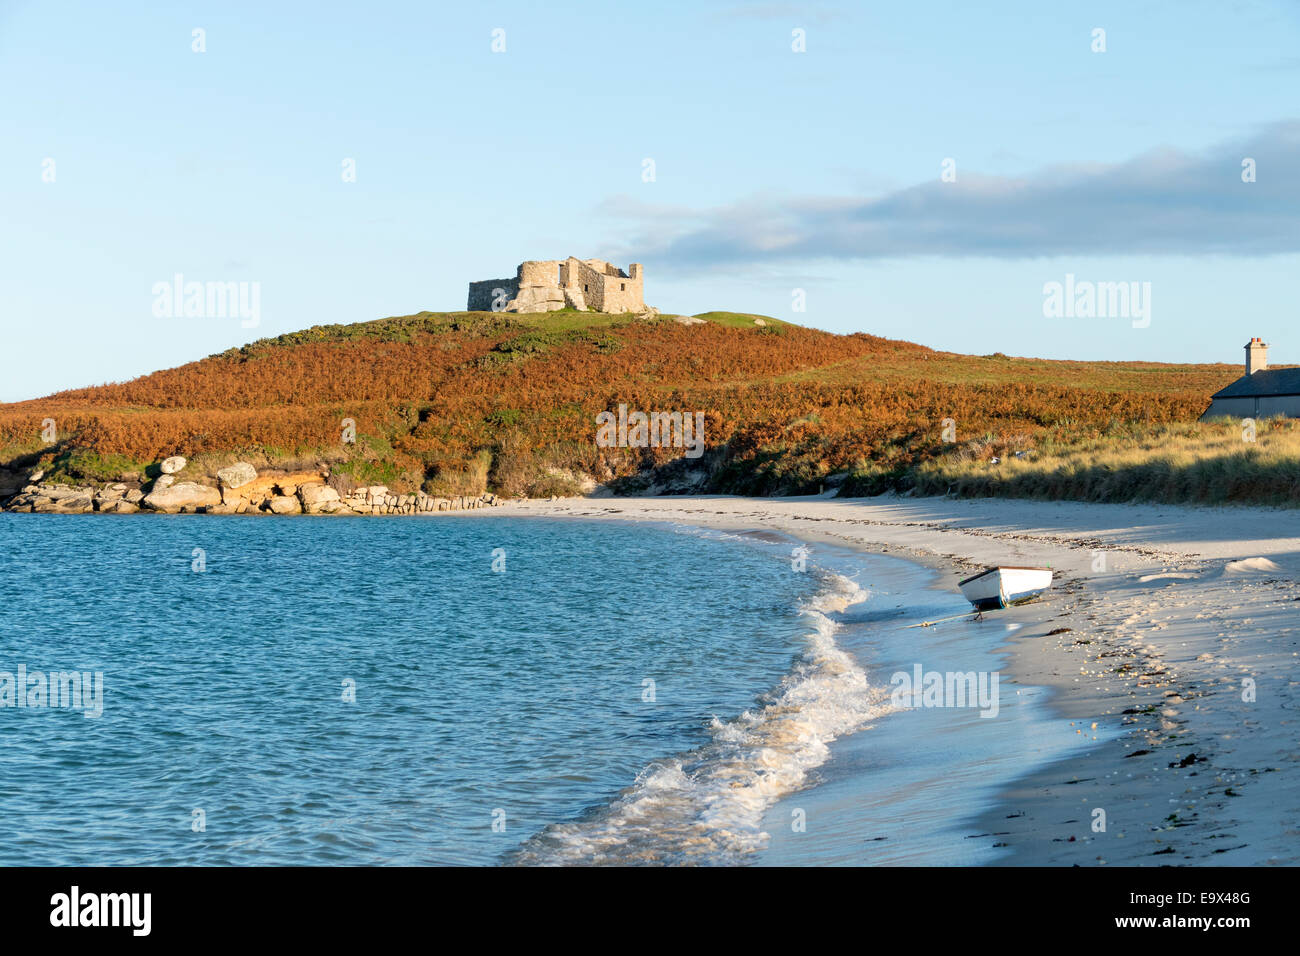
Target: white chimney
[1256, 356]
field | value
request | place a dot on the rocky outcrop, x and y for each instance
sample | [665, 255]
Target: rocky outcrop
[106, 499]
[119, 507]
[266, 486]
[53, 499]
[310, 493]
[183, 496]
[537, 298]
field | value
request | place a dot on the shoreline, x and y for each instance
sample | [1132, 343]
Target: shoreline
[1168, 640]
[1160, 618]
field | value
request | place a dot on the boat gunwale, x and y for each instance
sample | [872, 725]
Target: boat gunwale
[999, 567]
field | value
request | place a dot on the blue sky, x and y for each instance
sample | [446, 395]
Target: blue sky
[774, 170]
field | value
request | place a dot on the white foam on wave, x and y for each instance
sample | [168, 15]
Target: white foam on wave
[707, 806]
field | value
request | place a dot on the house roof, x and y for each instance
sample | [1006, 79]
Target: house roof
[1269, 381]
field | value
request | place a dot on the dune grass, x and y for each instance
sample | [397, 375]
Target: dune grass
[1191, 463]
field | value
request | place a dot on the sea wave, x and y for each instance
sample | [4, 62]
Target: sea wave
[707, 806]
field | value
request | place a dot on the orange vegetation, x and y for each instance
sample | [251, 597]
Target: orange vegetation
[434, 394]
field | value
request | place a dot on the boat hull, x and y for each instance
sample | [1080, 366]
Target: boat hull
[1005, 586]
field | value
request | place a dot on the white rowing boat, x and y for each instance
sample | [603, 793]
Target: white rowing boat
[1004, 586]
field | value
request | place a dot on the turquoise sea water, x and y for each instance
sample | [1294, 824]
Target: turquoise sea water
[486, 690]
[520, 698]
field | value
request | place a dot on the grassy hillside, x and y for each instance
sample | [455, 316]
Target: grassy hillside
[455, 402]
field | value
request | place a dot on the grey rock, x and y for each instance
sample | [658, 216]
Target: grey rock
[237, 475]
[185, 494]
[319, 499]
[285, 505]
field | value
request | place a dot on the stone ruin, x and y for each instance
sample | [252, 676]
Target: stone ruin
[544, 285]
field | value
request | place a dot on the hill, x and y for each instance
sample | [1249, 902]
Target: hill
[460, 402]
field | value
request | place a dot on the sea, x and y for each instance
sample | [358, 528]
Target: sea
[481, 690]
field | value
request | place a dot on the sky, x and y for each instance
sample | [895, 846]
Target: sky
[916, 171]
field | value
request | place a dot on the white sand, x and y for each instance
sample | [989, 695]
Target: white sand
[1170, 611]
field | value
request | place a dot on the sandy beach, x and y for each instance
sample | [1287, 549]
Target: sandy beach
[1169, 642]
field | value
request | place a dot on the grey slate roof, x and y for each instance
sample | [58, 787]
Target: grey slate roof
[1270, 381]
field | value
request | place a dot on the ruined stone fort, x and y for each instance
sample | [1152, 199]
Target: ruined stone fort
[548, 284]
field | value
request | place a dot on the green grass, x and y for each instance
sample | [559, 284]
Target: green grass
[80, 466]
[567, 320]
[740, 320]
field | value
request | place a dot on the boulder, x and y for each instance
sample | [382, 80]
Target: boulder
[164, 481]
[537, 298]
[134, 496]
[286, 488]
[36, 476]
[119, 507]
[172, 465]
[237, 475]
[285, 505]
[185, 494]
[319, 499]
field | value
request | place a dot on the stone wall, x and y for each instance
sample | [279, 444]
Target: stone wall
[624, 292]
[482, 294]
[541, 286]
[539, 272]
